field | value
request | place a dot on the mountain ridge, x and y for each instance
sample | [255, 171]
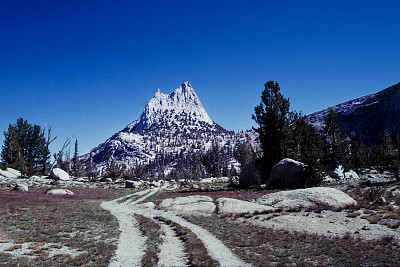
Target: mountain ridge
[367, 116]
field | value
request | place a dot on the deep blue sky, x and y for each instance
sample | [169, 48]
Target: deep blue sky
[89, 67]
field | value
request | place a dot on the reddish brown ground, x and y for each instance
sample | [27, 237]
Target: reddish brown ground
[37, 197]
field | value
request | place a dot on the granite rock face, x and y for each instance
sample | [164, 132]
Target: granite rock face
[367, 116]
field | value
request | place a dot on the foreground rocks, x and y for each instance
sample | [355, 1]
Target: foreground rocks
[190, 203]
[59, 174]
[308, 198]
[20, 188]
[235, 206]
[59, 192]
[10, 173]
[206, 204]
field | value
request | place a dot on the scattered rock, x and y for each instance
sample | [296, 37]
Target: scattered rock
[190, 203]
[351, 175]
[222, 179]
[230, 205]
[20, 188]
[59, 174]
[337, 173]
[155, 184]
[130, 184]
[195, 186]
[14, 171]
[308, 198]
[59, 192]
[288, 173]
[7, 174]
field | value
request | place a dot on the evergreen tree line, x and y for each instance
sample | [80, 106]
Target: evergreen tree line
[284, 133]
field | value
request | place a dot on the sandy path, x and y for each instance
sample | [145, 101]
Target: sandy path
[131, 243]
[128, 249]
[172, 249]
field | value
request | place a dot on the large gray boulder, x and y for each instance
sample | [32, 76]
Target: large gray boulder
[236, 206]
[288, 173]
[59, 174]
[20, 188]
[299, 199]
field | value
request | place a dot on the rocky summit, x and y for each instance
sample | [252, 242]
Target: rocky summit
[368, 116]
[172, 126]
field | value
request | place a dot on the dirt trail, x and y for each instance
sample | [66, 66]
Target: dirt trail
[129, 249]
[172, 249]
[131, 243]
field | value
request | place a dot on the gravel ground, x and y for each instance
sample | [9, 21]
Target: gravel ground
[327, 223]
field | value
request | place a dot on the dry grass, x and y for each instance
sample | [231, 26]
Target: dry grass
[261, 246]
[77, 222]
[195, 249]
[152, 230]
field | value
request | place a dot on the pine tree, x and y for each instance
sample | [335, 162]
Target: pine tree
[25, 147]
[358, 154]
[338, 145]
[388, 154]
[244, 153]
[272, 116]
[75, 160]
[90, 168]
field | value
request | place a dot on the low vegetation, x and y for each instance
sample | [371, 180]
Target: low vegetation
[262, 246]
[76, 222]
[197, 252]
[152, 230]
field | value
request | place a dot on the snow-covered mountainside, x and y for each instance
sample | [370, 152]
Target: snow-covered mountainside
[367, 116]
[172, 126]
[182, 103]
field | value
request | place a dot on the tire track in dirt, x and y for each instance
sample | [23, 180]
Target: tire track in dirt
[125, 210]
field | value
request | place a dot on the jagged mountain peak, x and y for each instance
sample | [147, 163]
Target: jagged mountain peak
[182, 102]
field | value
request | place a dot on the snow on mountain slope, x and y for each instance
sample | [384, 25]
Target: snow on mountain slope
[181, 101]
[172, 126]
[367, 116]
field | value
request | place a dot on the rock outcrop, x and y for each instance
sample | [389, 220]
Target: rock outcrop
[188, 204]
[236, 206]
[325, 197]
